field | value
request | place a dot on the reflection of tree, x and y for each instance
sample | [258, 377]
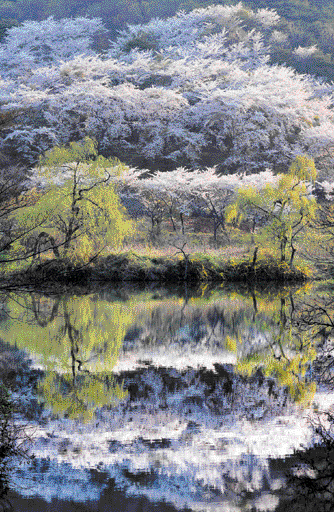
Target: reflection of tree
[43, 318]
[317, 318]
[280, 350]
[78, 340]
[81, 392]
[12, 444]
[81, 395]
[261, 329]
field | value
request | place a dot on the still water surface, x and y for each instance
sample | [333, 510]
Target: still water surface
[170, 400]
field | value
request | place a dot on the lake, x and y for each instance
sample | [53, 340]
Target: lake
[149, 399]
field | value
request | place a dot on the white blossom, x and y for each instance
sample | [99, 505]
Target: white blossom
[302, 51]
[46, 42]
[200, 81]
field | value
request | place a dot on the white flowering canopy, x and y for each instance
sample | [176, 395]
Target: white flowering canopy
[195, 90]
[36, 43]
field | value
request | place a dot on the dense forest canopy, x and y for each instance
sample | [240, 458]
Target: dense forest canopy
[307, 23]
[195, 90]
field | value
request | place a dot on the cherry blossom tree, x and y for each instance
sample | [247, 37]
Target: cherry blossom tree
[195, 90]
[180, 193]
[36, 43]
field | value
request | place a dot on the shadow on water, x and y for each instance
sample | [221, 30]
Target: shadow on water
[111, 499]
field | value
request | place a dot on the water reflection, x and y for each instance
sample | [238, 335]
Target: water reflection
[189, 398]
[77, 343]
[281, 351]
[78, 340]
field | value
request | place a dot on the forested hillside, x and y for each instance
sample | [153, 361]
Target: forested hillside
[302, 23]
[195, 90]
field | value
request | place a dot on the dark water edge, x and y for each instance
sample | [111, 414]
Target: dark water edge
[111, 500]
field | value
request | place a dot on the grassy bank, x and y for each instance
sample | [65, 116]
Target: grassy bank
[145, 268]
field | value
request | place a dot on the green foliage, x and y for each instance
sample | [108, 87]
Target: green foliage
[53, 326]
[79, 398]
[78, 344]
[76, 152]
[303, 168]
[79, 213]
[271, 342]
[287, 357]
[285, 209]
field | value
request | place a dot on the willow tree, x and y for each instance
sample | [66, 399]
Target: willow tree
[283, 209]
[79, 210]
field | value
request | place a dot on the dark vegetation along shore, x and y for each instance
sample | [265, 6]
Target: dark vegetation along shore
[129, 267]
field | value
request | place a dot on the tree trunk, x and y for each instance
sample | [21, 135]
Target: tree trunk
[283, 246]
[172, 219]
[253, 226]
[254, 256]
[158, 221]
[54, 247]
[293, 250]
[182, 223]
[215, 229]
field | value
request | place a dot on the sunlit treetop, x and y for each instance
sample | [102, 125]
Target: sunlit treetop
[78, 161]
[303, 168]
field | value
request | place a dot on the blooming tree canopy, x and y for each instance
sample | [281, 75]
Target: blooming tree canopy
[194, 90]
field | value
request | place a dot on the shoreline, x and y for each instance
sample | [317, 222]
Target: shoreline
[129, 267]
